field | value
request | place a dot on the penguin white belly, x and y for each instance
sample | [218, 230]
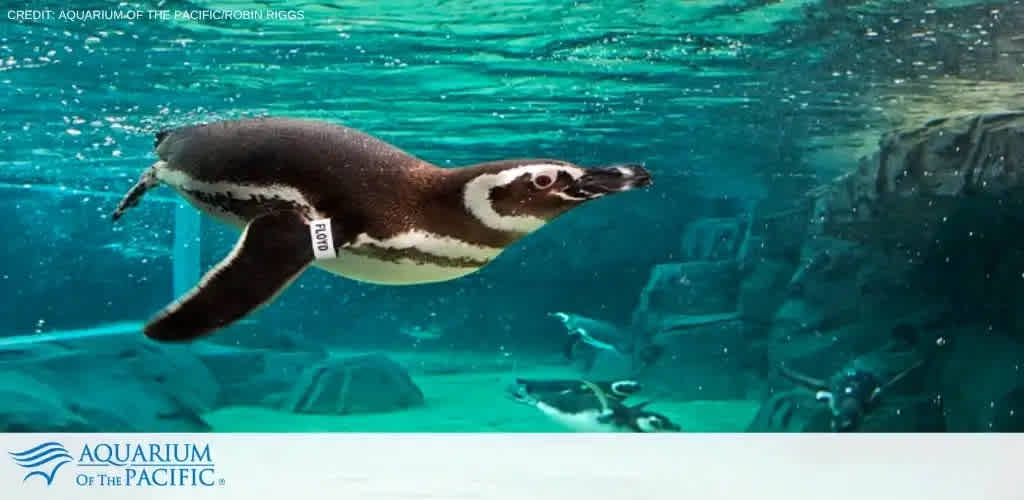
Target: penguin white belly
[584, 421]
[385, 272]
[407, 258]
[598, 344]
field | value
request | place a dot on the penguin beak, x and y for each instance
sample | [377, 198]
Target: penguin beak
[616, 178]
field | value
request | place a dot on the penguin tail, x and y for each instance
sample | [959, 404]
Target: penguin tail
[148, 180]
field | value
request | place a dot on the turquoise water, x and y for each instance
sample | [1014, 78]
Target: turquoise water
[739, 109]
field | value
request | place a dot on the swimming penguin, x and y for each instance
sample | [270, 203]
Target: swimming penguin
[307, 193]
[585, 407]
[605, 336]
[850, 394]
[594, 332]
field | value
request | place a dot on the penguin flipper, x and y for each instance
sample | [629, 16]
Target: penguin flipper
[273, 250]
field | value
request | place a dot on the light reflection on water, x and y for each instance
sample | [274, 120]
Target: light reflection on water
[723, 96]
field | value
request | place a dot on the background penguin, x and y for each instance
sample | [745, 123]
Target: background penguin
[308, 193]
[854, 391]
[583, 406]
[604, 336]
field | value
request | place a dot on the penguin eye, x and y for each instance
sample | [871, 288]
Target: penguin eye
[543, 181]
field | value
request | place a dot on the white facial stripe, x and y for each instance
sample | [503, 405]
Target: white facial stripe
[182, 181]
[620, 387]
[477, 197]
[627, 173]
[433, 244]
[828, 397]
[567, 197]
[538, 168]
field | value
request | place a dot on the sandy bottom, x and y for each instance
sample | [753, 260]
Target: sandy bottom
[472, 402]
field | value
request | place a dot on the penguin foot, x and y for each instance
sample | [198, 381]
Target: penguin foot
[146, 182]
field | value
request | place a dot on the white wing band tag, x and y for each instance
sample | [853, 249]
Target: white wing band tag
[322, 239]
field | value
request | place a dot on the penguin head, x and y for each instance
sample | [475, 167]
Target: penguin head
[520, 196]
[850, 398]
[654, 422]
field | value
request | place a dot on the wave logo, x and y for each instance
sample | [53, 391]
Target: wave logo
[46, 459]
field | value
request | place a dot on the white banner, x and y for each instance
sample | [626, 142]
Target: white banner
[511, 466]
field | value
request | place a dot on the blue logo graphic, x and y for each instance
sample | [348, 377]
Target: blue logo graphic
[125, 464]
[47, 458]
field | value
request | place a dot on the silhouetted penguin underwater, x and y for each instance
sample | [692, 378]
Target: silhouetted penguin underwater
[854, 391]
[308, 193]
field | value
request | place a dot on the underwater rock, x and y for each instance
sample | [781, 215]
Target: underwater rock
[758, 298]
[779, 235]
[93, 400]
[109, 383]
[256, 377]
[112, 402]
[371, 383]
[789, 411]
[979, 378]
[32, 406]
[174, 370]
[678, 291]
[715, 251]
[708, 362]
[920, 176]
[712, 239]
[843, 298]
[132, 384]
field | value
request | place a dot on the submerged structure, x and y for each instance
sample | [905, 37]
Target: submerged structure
[831, 176]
